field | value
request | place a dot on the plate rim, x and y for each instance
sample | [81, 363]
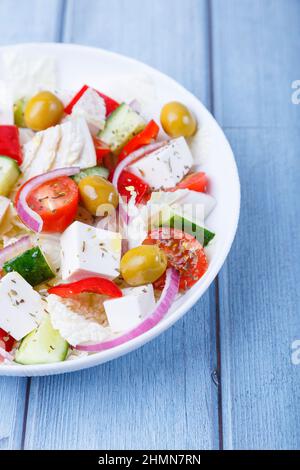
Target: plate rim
[82, 363]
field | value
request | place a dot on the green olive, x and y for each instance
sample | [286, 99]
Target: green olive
[98, 195]
[143, 264]
[19, 107]
[177, 120]
[43, 110]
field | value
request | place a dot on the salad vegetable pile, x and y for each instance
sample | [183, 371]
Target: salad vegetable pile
[102, 222]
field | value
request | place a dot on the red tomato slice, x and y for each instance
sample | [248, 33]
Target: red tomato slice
[183, 252]
[10, 144]
[143, 138]
[110, 104]
[6, 341]
[195, 181]
[56, 201]
[128, 181]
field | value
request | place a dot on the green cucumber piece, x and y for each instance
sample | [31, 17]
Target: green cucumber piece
[95, 170]
[168, 217]
[202, 234]
[31, 265]
[43, 345]
[122, 124]
[9, 174]
[19, 110]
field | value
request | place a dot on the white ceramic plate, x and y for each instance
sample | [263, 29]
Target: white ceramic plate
[78, 65]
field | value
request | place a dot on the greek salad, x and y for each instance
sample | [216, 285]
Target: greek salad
[102, 221]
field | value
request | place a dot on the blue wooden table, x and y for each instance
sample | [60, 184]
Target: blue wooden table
[225, 375]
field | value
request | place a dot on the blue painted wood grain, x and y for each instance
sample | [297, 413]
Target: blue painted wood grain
[256, 49]
[161, 396]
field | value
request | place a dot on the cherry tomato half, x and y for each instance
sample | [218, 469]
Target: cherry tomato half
[183, 252]
[128, 182]
[56, 201]
[195, 181]
[6, 341]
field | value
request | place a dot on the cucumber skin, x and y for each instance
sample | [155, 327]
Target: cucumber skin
[95, 170]
[109, 134]
[31, 265]
[44, 345]
[203, 235]
[10, 176]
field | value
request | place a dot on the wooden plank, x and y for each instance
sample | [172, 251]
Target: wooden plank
[33, 20]
[12, 409]
[170, 36]
[256, 48]
[162, 395]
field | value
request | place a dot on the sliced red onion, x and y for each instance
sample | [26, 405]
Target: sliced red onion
[26, 214]
[163, 305]
[141, 152]
[15, 249]
[6, 355]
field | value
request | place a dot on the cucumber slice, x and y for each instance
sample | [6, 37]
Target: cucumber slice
[203, 235]
[42, 346]
[95, 170]
[169, 217]
[32, 266]
[9, 174]
[123, 124]
[19, 109]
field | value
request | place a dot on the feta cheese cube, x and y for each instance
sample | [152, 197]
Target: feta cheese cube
[92, 108]
[21, 307]
[6, 105]
[89, 251]
[28, 71]
[128, 311]
[64, 145]
[165, 167]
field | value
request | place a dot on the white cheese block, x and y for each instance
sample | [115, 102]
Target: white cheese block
[197, 202]
[21, 307]
[72, 326]
[184, 199]
[6, 105]
[128, 311]
[25, 135]
[92, 108]
[65, 145]
[165, 167]
[89, 251]
[27, 72]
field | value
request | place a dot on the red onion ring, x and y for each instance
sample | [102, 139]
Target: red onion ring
[15, 249]
[167, 297]
[26, 214]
